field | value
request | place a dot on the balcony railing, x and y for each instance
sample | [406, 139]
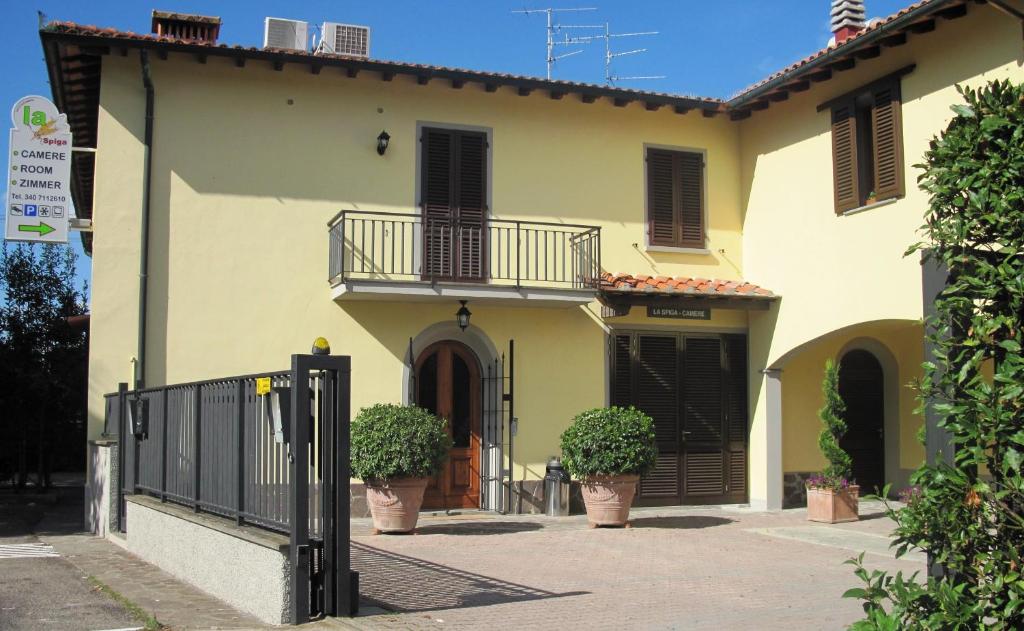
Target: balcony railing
[412, 248]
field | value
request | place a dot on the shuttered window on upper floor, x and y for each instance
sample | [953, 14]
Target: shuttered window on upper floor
[675, 198]
[867, 145]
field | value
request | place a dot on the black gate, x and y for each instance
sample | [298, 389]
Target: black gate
[222, 446]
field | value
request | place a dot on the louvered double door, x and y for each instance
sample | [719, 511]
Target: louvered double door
[454, 205]
[695, 389]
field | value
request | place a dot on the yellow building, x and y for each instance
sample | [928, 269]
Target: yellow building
[255, 194]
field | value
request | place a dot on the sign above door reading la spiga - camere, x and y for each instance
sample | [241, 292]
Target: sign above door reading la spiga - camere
[678, 313]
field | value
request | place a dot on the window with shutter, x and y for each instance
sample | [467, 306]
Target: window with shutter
[675, 198]
[867, 144]
[453, 198]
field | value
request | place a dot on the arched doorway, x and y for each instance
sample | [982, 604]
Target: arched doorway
[862, 388]
[448, 384]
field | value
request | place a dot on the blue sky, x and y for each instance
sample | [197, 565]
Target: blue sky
[703, 48]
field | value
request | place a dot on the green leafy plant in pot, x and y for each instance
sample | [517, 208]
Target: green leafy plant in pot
[832, 497]
[608, 449]
[396, 449]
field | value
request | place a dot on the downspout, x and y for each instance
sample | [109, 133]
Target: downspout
[147, 83]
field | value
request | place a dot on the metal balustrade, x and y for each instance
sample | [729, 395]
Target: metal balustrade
[405, 247]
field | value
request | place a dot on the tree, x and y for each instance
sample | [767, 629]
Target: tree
[969, 515]
[837, 473]
[42, 362]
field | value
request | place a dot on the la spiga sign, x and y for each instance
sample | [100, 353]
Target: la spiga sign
[678, 313]
[38, 173]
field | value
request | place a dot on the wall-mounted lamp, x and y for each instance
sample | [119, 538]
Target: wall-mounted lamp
[382, 142]
[462, 315]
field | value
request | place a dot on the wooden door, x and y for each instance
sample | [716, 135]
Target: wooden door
[448, 384]
[454, 204]
[862, 390]
[695, 389]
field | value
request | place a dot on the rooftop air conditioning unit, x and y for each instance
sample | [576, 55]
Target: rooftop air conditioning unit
[345, 39]
[287, 34]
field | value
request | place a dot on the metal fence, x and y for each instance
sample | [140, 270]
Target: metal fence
[411, 247]
[212, 446]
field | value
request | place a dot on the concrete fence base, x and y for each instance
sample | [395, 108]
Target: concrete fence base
[245, 567]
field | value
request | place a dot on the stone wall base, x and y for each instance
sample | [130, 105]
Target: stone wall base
[794, 488]
[245, 567]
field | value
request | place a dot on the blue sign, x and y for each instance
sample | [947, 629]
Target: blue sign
[30, 210]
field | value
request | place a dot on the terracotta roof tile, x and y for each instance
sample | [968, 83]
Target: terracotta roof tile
[627, 283]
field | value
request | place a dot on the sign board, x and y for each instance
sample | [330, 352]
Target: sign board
[39, 173]
[262, 386]
[676, 312]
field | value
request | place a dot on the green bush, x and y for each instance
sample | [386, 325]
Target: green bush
[970, 524]
[396, 441]
[609, 441]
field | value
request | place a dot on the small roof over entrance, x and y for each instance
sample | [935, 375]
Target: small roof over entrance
[620, 291]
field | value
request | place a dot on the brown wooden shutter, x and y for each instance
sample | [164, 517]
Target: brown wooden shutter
[704, 471]
[622, 371]
[844, 156]
[657, 389]
[887, 139]
[437, 199]
[736, 414]
[690, 174]
[661, 215]
[471, 203]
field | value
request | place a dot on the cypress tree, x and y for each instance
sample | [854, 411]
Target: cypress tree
[837, 473]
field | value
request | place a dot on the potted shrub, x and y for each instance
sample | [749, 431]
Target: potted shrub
[607, 449]
[396, 449]
[832, 497]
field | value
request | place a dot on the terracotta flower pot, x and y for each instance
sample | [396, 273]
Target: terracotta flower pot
[832, 506]
[607, 498]
[395, 504]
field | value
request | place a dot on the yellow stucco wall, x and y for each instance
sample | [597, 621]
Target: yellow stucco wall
[250, 163]
[835, 272]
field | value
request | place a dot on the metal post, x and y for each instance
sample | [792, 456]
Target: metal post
[518, 255]
[329, 485]
[512, 424]
[298, 498]
[163, 448]
[347, 603]
[122, 388]
[197, 443]
[240, 470]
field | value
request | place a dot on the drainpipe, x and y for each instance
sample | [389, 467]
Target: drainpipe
[147, 83]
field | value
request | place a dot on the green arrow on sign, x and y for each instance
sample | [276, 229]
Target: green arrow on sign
[43, 229]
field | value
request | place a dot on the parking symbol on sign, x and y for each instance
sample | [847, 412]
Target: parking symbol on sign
[30, 210]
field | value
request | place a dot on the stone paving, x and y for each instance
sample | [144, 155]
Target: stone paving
[677, 568]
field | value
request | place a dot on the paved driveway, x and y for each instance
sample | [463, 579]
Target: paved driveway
[677, 568]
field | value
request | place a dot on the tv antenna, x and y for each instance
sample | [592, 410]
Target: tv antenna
[609, 56]
[554, 29]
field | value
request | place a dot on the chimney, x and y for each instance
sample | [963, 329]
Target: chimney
[847, 19]
[197, 28]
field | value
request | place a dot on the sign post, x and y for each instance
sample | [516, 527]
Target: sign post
[39, 173]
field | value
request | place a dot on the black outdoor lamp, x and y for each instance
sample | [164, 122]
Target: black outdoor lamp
[382, 142]
[462, 315]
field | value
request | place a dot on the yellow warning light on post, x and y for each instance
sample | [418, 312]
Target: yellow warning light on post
[262, 386]
[321, 347]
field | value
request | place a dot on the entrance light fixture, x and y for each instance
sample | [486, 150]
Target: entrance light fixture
[462, 315]
[382, 142]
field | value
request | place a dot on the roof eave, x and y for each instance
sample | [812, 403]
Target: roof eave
[839, 51]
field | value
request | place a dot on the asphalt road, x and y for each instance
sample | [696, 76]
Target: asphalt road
[39, 593]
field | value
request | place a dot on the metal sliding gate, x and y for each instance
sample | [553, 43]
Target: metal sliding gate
[499, 430]
[267, 450]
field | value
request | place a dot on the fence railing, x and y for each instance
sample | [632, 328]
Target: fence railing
[412, 247]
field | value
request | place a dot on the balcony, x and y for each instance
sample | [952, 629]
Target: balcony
[398, 256]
